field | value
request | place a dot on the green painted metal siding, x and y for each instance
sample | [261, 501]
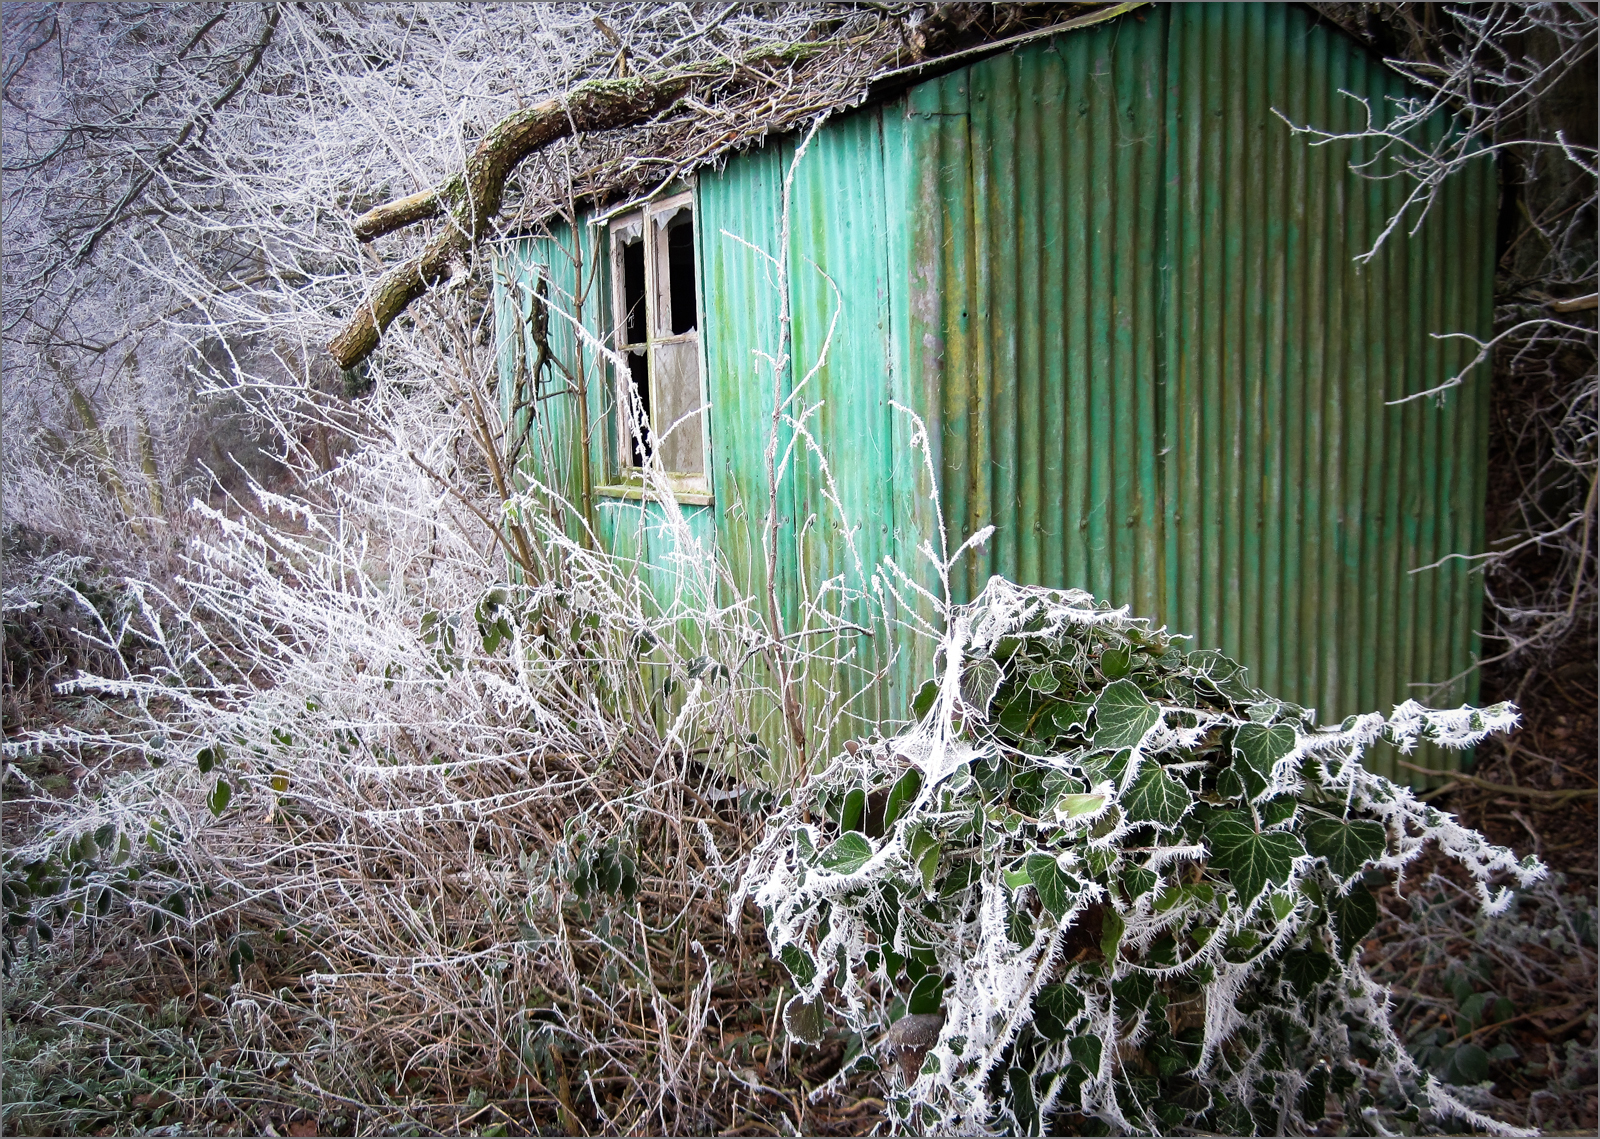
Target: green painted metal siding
[1301, 496]
[557, 443]
[1125, 301]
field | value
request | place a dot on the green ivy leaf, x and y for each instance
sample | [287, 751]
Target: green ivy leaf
[922, 702]
[799, 964]
[1348, 846]
[1224, 674]
[1072, 806]
[926, 995]
[1105, 765]
[1122, 715]
[1156, 797]
[1354, 915]
[1071, 716]
[855, 808]
[1277, 810]
[1055, 893]
[1305, 969]
[1111, 929]
[978, 683]
[1054, 1008]
[1251, 860]
[1469, 1065]
[221, 795]
[1238, 781]
[1262, 746]
[1086, 1051]
[1313, 1098]
[1137, 882]
[1282, 906]
[803, 1019]
[1024, 1106]
[210, 757]
[1116, 663]
[1171, 896]
[1014, 717]
[1133, 992]
[901, 795]
[1264, 711]
[925, 850]
[847, 853]
[1058, 783]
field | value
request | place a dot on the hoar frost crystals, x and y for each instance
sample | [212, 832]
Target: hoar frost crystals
[1114, 885]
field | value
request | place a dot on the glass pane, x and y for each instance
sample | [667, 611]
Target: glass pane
[678, 429]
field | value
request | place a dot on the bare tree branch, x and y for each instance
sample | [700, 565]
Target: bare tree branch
[196, 122]
[472, 198]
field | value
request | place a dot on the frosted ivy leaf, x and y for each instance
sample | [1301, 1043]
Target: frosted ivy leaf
[1055, 889]
[1122, 715]
[978, 683]
[804, 1020]
[847, 854]
[1156, 797]
[1348, 846]
[1262, 746]
[1251, 859]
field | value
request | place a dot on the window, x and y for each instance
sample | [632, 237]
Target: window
[661, 408]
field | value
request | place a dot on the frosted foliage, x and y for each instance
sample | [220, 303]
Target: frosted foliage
[1132, 885]
[180, 183]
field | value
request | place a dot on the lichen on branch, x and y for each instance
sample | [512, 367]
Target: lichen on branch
[471, 199]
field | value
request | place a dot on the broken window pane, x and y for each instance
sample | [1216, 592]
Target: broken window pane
[654, 273]
[633, 292]
[639, 383]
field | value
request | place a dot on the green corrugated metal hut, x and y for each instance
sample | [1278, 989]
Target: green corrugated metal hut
[1124, 298]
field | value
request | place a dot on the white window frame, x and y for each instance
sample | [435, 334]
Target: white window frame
[627, 480]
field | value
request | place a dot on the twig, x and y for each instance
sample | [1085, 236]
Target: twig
[1461, 777]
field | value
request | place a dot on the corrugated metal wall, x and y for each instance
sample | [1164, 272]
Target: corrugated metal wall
[1124, 299]
[1300, 496]
[1162, 374]
[582, 395]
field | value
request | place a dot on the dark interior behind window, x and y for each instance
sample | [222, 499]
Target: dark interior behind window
[633, 290]
[639, 376]
[680, 273]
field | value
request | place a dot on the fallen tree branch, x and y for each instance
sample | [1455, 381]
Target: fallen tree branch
[472, 198]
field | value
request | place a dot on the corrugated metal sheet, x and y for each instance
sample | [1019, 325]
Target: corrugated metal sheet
[1301, 496]
[565, 400]
[1163, 377]
[1123, 297]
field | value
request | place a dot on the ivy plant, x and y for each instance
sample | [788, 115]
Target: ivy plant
[1102, 883]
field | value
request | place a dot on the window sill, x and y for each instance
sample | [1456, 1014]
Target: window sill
[688, 491]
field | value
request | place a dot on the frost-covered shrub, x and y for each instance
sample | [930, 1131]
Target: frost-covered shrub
[1105, 883]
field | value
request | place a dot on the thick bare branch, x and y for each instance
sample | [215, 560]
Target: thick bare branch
[472, 198]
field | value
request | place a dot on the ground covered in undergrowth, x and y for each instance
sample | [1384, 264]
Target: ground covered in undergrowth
[139, 1022]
